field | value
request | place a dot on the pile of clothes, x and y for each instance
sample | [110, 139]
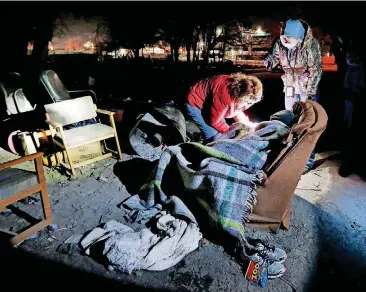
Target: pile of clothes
[127, 250]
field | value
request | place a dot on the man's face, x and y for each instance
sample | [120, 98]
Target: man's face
[289, 42]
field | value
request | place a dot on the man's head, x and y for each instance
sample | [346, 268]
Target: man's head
[293, 34]
[245, 90]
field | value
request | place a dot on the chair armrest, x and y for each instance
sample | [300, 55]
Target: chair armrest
[12, 163]
[53, 124]
[105, 112]
[79, 93]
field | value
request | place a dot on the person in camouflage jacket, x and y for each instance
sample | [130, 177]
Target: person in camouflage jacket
[299, 55]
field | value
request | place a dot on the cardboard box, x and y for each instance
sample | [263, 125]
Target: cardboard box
[85, 152]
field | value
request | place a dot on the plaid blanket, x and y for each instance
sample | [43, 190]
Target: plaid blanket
[228, 171]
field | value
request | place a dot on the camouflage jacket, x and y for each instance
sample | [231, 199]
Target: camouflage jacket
[302, 65]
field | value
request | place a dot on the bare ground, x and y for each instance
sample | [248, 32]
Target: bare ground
[80, 204]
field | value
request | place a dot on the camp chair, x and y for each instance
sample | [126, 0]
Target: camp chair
[17, 102]
[56, 90]
[76, 110]
[274, 198]
[13, 101]
[17, 184]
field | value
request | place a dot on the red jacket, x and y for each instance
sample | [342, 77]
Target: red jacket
[216, 91]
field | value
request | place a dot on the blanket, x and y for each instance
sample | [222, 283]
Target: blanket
[128, 251]
[228, 172]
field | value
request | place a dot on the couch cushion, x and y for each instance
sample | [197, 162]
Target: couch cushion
[77, 136]
[13, 180]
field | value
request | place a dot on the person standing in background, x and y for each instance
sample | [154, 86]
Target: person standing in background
[299, 54]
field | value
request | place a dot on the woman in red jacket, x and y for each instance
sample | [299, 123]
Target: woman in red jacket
[214, 99]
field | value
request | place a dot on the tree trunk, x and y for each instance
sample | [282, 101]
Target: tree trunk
[136, 52]
[206, 49]
[176, 54]
[171, 54]
[43, 35]
[174, 51]
[223, 51]
[14, 54]
[194, 47]
[188, 48]
[206, 55]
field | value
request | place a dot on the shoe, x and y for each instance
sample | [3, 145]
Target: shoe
[275, 270]
[265, 251]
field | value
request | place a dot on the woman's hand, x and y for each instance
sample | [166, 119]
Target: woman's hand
[243, 119]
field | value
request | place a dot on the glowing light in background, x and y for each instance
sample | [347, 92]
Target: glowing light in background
[218, 31]
[259, 30]
[89, 45]
[122, 52]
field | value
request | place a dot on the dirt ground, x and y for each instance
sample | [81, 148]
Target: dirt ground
[80, 204]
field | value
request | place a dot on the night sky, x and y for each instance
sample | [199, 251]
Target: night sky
[342, 16]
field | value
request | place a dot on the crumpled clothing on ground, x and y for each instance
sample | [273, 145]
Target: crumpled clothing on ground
[128, 251]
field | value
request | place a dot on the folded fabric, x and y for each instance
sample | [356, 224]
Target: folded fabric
[127, 250]
[228, 173]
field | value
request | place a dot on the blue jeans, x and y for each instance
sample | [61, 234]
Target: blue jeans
[196, 114]
[289, 102]
[310, 163]
[348, 113]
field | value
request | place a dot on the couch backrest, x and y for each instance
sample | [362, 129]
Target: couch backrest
[284, 173]
[71, 111]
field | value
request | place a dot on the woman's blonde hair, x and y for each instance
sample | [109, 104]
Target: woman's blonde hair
[245, 88]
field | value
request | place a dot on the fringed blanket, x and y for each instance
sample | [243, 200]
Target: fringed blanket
[228, 172]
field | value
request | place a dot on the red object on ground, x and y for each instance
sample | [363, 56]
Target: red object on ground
[257, 273]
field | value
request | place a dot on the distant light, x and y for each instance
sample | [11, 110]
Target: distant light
[89, 45]
[259, 30]
[123, 52]
[218, 31]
